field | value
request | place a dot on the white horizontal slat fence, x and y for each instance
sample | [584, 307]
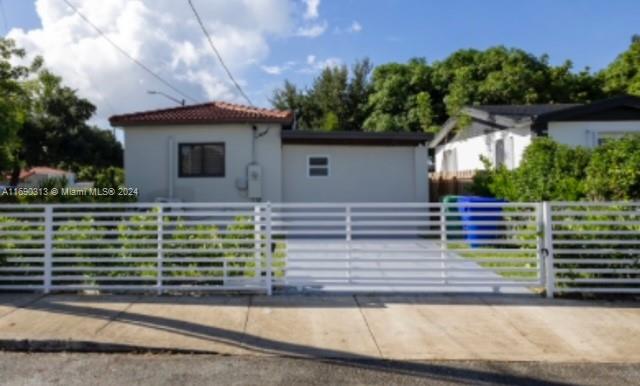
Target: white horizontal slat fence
[595, 247]
[124, 247]
[561, 247]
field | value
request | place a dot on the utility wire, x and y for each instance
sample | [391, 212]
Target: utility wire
[122, 51]
[215, 50]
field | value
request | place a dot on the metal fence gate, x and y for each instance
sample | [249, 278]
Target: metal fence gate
[409, 247]
[374, 247]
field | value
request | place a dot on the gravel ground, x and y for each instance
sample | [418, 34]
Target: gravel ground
[129, 369]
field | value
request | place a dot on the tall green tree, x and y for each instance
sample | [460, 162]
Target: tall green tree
[43, 122]
[401, 97]
[336, 100]
[56, 131]
[623, 75]
[14, 101]
[501, 75]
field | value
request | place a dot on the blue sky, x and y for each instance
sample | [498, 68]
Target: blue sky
[588, 32]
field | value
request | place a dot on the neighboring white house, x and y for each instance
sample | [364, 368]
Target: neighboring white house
[502, 132]
[223, 152]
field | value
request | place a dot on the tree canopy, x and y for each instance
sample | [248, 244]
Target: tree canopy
[421, 96]
[337, 99]
[623, 75]
[44, 122]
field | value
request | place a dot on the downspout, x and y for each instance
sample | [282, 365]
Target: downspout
[254, 137]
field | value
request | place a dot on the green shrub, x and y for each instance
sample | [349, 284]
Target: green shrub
[614, 171]
[548, 171]
[243, 239]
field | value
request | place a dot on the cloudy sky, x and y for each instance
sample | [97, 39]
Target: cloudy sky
[267, 41]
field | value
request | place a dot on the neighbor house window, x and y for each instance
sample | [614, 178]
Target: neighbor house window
[500, 153]
[318, 166]
[201, 159]
[450, 161]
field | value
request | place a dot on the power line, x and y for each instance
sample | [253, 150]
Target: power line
[213, 47]
[122, 51]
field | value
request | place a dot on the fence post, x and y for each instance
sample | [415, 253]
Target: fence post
[548, 248]
[268, 246]
[540, 244]
[347, 221]
[48, 248]
[443, 243]
[160, 257]
[257, 241]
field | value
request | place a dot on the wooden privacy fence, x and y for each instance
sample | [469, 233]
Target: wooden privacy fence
[449, 183]
[560, 247]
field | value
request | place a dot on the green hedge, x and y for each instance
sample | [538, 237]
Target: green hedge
[554, 172]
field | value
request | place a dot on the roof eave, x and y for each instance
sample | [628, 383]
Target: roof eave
[125, 123]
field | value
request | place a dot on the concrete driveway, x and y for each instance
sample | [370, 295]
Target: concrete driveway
[434, 327]
[308, 270]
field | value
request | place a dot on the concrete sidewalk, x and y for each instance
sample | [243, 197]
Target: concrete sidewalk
[427, 327]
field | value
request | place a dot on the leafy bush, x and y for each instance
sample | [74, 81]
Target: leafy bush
[240, 237]
[614, 171]
[548, 171]
[553, 172]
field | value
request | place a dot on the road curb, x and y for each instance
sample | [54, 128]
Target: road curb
[53, 346]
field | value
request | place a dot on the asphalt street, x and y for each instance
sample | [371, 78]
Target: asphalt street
[146, 369]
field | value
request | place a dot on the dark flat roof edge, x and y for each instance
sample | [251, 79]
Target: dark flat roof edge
[353, 138]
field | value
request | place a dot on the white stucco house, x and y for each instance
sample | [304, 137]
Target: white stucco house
[223, 152]
[502, 132]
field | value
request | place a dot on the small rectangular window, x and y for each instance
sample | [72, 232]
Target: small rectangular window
[500, 155]
[201, 159]
[318, 166]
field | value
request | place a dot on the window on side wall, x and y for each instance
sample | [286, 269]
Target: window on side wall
[500, 155]
[450, 161]
[201, 160]
[318, 166]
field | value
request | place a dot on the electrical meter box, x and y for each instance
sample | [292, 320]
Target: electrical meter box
[254, 175]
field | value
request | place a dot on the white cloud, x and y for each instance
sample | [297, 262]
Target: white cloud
[311, 11]
[278, 69]
[272, 70]
[355, 27]
[314, 65]
[313, 30]
[164, 35]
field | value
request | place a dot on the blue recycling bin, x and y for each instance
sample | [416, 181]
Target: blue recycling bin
[470, 215]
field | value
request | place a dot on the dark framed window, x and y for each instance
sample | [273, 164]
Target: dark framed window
[201, 159]
[318, 166]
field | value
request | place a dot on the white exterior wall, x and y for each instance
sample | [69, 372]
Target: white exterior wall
[148, 164]
[585, 134]
[469, 150]
[357, 174]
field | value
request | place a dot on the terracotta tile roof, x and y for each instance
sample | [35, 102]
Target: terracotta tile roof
[40, 170]
[213, 112]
